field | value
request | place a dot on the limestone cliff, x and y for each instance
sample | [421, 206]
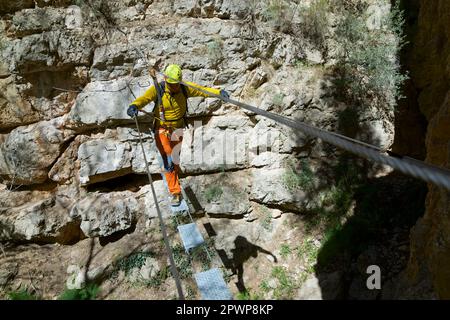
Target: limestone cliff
[428, 274]
[74, 195]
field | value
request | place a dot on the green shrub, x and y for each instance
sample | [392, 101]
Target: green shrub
[158, 279]
[285, 289]
[266, 222]
[285, 251]
[368, 68]
[277, 13]
[315, 22]
[247, 295]
[134, 260]
[294, 180]
[89, 292]
[213, 193]
[22, 294]
[264, 286]
[182, 261]
[308, 252]
[214, 50]
[200, 254]
[277, 99]
[302, 63]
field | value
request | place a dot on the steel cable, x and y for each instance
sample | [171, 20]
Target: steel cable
[415, 168]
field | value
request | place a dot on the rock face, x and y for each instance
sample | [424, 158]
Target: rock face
[114, 154]
[46, 220]
[221, 194]
[64, 170]
[104, 214]
[103, 103]
[268, 188]
[427, 274]
[100, 157]
[221, 143]
[327, 286]
[71, 165]
[28, 152]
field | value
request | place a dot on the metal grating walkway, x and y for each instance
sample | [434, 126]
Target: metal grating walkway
[191, 236]
[212, 286]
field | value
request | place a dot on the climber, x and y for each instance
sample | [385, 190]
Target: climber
[172, 119]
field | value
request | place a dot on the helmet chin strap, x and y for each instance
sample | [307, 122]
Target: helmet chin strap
[172, 86]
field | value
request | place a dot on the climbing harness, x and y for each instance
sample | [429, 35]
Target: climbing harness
[415, 168]
[185, 94]
[159, 94]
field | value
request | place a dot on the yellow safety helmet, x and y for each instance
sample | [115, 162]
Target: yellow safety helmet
[173, 73]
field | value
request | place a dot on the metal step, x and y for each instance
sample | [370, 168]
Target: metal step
[212, 286]
[181, 208]
[191, 236]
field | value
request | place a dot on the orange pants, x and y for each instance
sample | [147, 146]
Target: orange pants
[168, 142]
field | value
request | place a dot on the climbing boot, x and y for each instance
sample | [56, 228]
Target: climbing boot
[176, 200]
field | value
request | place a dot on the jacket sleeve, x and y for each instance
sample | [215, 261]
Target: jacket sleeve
[146, 98]
[197, 93]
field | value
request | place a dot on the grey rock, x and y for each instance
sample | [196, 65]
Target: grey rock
[104, 214]
[267, 136]
[270, 160]
[235, 232]
[116, 153]
[79, 276]
[113, 61]
[185, 7]
[250, 217]
[310, 290]
[276, 213]
[45, 220]
[324, 286]
[103, 159]
[28, 152]
[220, 145]
[285, 52]
[63, 170]
[105, 103]
[150, 268]
[15, 109]
[258, 78]
[74, 18]
[233, 9]
[378, 132]
[221, 193]
[8, 272]
[202, 106]
[36, 98]
[163, 198]
[30, 21]
[269, 188]
[50, 51]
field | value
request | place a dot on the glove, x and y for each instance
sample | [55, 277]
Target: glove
[132, 111]
[224, 94]
[168, 164]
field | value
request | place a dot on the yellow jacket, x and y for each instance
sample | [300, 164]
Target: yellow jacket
[174, 104]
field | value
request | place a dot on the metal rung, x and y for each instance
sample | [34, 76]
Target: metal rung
[191, 236]
[212, 286]
[182, 207]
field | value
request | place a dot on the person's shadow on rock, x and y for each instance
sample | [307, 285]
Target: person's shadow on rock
[242, 251]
